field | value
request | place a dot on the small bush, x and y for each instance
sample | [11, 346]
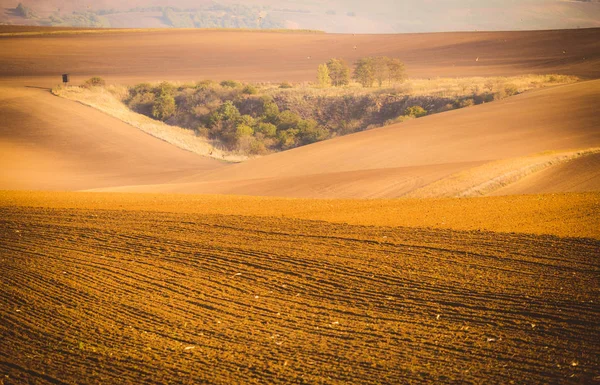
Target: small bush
[415, 111]
[348, 126]
[511, 90]
[94, 82]
[141, 88]
[250, 90]
[462, 103]
[165, 88]
[229, 84]
[500, 94]
[247, 120]
[288, 138]
[257, 148]
[243, 130]
[287, 119]
[202, 131]
[205, 84]
[249, 145]
[164, 107]
[399, 119]
[267, 129]
[142, 102]
[286, 85]
[489, 85]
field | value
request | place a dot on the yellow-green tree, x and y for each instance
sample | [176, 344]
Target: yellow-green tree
[339, 72]
[164, 107]
[369, 70]
[364, 71]
[323, 78]
[396, 71]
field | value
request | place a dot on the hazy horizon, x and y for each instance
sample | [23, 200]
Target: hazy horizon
[337, 16]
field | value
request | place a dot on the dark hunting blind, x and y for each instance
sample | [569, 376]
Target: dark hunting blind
[65, 78]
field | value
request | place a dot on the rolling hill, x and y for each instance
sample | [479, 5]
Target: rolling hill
[395, 160]
[48, 143]
[71, 147]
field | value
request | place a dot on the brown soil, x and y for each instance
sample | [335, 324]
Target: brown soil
[267, 56]
[564, 215]
[106, 296]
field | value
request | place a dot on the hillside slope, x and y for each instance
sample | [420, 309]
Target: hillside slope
[394, 160]
[579, 175]
[51, 143]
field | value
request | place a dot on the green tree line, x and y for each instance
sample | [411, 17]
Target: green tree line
[367, 72]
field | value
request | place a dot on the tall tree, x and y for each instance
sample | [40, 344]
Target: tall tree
[323, 78]
[364, 71]
[339, 72]
[396, 71]
[380, 69]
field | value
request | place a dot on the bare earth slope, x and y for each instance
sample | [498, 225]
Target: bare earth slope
[393, 160]
[267, 56]
[51, 143]
[578, 175]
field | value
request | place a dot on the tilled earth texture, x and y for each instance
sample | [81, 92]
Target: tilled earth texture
[106, 296]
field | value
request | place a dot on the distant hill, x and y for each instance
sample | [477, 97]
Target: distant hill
[69, 146]
[341, 16]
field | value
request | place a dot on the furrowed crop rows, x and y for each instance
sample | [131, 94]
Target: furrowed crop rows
[97, 296]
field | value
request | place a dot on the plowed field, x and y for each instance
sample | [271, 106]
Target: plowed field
[137, 297]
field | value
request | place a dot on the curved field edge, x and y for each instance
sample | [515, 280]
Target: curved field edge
[492, 176]
[564, 215]
[103, 100]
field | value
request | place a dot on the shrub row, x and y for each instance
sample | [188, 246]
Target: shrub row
[254, 120]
